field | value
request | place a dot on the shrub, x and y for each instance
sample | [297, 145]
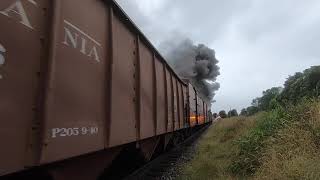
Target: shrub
[247, 160]
[293, 152]
[251, 146]
[233, 113]
[223, 114]
[243, 112]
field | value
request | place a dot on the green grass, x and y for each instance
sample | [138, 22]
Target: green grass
[280, 144]
[293, 152]
[217, 148]
[251, 145]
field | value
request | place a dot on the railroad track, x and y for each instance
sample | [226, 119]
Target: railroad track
[157, 167]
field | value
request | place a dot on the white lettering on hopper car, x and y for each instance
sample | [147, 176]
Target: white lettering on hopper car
[71, 39]
[75, 131]
[17, 8]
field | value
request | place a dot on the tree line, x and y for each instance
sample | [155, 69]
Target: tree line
[301, 85]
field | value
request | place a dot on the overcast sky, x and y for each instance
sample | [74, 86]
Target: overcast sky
[259, 43]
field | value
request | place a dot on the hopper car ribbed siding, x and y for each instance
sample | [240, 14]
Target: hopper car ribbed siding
[79, 82]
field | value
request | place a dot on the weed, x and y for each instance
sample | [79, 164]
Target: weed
[280, 144]
[216, 150]
[254, 145]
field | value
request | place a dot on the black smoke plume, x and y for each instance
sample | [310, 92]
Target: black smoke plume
[197, 63]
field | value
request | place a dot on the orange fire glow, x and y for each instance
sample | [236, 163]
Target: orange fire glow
[194, 120]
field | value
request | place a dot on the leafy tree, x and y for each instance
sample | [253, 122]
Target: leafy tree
[251, 110]
[301, 85]
[215, 115]
[267, 97]
[263, 102]
[223, 114]
[274, 103]
[256, 102]
[233, 113]
[244, 112]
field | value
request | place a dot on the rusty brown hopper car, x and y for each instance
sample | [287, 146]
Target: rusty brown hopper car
[79, 79]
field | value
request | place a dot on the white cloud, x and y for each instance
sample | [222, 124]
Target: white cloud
[149, 7]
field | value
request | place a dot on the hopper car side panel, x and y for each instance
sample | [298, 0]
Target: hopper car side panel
[124, 90]
[147, 122]
[207, 114]
[23, 40]
[170, 119]
[185, 106]
[201, 112]
[198, 109]
[75, 110]
[161, 97]
[175, 104]
[204, 112]
[192, 108]
[181, 105]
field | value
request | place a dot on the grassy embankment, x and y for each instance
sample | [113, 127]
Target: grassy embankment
[280, 144]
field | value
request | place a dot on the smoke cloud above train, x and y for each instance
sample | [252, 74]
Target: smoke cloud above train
[197, 63]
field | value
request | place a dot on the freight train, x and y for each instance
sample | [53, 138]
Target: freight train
[79, 85]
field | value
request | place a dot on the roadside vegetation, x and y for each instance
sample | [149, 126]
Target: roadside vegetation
[216, 149]
[278, 137]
